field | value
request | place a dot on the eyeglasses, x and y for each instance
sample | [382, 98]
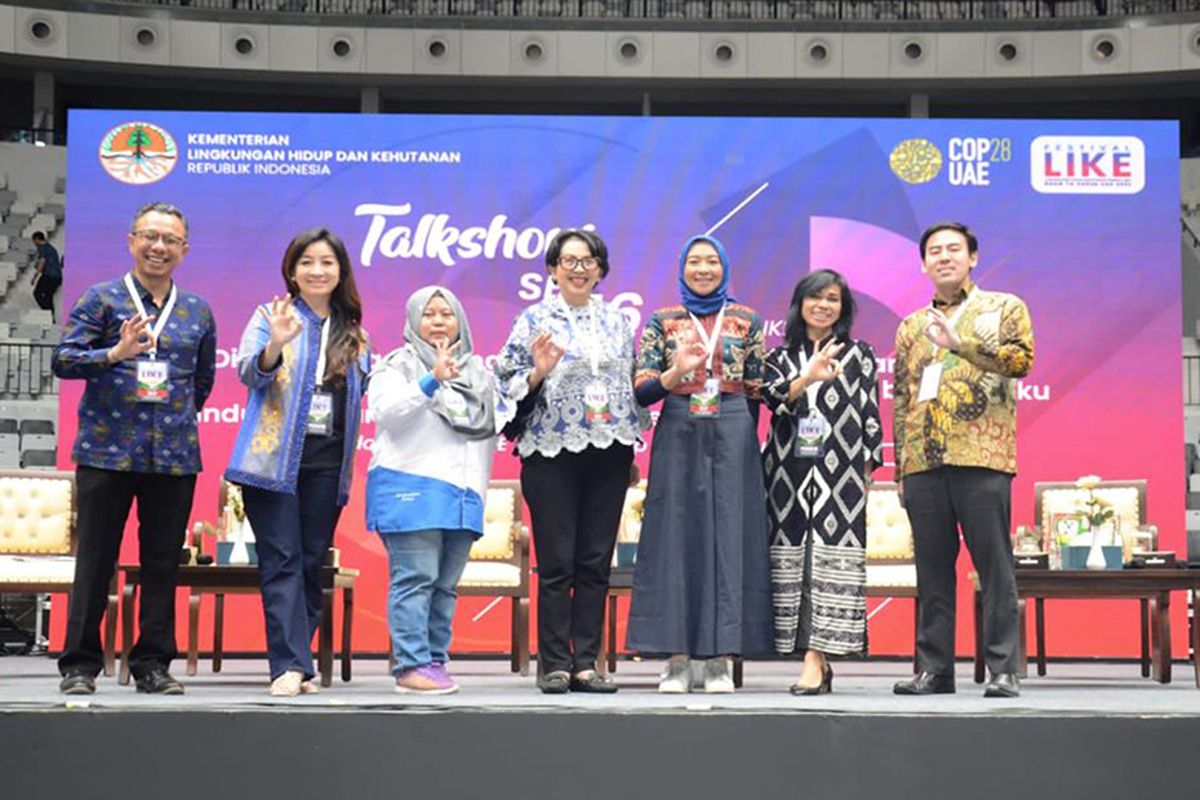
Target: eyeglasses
[153, 237]
[572, 264]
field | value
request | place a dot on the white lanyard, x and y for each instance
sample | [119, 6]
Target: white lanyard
[161, 322]
[952, 322]
[709, 342]
[591, 342]
[319, 378]
[814, 388]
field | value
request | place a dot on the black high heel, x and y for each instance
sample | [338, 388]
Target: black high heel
[824, 687]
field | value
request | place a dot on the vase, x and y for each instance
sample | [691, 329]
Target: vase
[1095, 558]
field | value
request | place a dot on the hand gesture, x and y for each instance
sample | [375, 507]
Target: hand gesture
[689, 356]
[285, 324]
[939, 331]
[546, 355]
[445, 368]
[135, 338]
[824, 366]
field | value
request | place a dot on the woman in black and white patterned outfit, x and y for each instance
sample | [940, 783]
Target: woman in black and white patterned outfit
[825, 442]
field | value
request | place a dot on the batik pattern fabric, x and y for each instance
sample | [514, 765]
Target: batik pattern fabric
[116, 431]
[973, 420]
[560, 420]
[737, 364]
[816, 506]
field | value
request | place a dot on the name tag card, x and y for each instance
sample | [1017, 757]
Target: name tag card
[153, 385]
[456, 404]
[811, 432]
[595, 401]
[320, 414]
[931, 381]
[706, 404]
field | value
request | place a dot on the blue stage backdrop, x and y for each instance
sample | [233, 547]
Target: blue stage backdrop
[1079, 218]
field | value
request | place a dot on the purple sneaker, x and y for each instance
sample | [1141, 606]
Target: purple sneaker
[429, 679]
[440, 671]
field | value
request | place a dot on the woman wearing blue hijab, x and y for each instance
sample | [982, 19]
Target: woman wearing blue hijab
[701, 588]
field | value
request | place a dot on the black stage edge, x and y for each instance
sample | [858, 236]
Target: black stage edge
[486, 753]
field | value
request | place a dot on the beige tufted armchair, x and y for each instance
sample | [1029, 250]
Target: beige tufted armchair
[498, 566]
[37, 537]
[891, 569]
[499, 563]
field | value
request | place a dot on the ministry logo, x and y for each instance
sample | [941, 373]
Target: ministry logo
[138, 153]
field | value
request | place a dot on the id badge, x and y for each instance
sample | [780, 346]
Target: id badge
[811, 432]
[152, 381]
[931, 379]
[706, 404]
[320, 414]
[595, 401]
[456, 404]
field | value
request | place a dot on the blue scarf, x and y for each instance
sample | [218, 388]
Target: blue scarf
[704, 304]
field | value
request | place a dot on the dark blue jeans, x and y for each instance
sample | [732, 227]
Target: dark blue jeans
[292, 533]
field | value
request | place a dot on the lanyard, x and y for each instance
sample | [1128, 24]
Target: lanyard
[161, 322]
[709, 342]
[319, 378]
[591, 342]
[952, 322]
[813, 389]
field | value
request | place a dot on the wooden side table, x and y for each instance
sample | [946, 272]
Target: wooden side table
[1152, 587]
[223, 580]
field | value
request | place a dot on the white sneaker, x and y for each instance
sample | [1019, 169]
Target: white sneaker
[718, 678]
[287, 684]
[677, 678]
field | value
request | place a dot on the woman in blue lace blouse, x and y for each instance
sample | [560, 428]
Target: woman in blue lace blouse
[568, 364]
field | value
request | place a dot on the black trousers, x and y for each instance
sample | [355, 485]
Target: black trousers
[164, 503]
[43, 293]
[575, 502]
[979, 501]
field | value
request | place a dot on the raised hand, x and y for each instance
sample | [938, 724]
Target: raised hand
[690, 356]
[135, 338]
[824, 366]
[445, 368]
[939, 331]
[284, 322]
[546, 355]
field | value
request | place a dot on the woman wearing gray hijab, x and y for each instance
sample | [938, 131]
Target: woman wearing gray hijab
[435, 434]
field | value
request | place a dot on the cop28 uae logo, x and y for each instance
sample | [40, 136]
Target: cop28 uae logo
[138, 153]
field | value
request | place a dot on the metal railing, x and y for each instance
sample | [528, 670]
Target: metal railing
[800, 10]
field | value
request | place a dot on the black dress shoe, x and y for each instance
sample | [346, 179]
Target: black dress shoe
[159, 682]
[926, 683]
[1003, 684]
[556, 682]
[78, 683]
[824, 687]
[592, 682]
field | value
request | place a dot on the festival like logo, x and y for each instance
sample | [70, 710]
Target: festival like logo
[916, 161]
[138, 153]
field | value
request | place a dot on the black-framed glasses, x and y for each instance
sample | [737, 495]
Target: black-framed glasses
[153, 237]
[586, 263]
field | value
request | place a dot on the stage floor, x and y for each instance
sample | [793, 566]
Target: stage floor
[860, 688]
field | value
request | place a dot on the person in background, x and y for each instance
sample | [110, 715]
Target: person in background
[304, 358]
[435, 434]
[701, 588]
[955, 432]
[568, 368]
[47, 272]
[825, 441]
[147, 352]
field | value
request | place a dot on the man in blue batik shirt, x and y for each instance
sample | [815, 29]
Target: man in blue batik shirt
[147, 350]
